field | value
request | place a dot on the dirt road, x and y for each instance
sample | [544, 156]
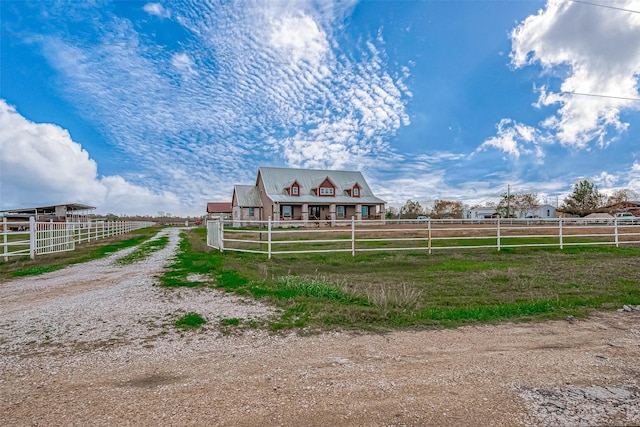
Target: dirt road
[95, 345]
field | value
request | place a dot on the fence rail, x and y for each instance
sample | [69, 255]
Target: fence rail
[290, 237]
[32, 238]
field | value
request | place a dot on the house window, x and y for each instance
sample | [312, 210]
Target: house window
[326, 191]
[286, 210]
[548, 212]
[251, 212]
[340, 211]
[294, 190]
[365, 211]
[356, 192]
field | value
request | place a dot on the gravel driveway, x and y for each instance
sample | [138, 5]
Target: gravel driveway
[94, 344]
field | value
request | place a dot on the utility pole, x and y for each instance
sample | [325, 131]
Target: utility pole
[508, 200]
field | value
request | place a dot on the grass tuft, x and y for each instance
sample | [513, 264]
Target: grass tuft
[190, 321]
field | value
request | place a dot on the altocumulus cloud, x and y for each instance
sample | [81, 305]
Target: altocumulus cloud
[255, 83]
[41, 164]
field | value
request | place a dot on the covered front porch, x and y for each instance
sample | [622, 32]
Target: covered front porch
[326, 213]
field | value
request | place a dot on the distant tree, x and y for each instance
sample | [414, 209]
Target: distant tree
[621, 196]
[584, 200]
[504, 208]
[516, 205]
[411, 209]
[446, 208]
[391, 212]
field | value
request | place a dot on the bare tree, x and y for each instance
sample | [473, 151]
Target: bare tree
[621, 196]
[517, 205]
[411, 209]
[446, 209]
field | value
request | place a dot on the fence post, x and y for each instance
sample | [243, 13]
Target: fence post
[353, 236]
[498, 234]
[4, 238]
[220, 235]
[88, 231]
[560, 226]
[429, 236]
[269, 237]
[32, 237]
[50, 234]
[615, 226]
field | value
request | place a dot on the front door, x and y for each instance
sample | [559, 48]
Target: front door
[314, 212]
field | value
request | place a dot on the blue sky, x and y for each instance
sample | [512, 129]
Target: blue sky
[141, 107]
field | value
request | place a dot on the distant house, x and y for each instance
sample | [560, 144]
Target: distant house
[632, 207]
[63, 212]
[69, 212]
[306, 195]
[220, 210]
[542, 211]
[486, 212]
[480, 212]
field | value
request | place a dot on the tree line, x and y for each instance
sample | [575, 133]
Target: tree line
[583, 200]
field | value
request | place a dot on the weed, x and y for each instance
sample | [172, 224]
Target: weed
[234, 321]
[190, 320]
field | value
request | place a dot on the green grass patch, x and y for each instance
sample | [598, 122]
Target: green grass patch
[32, 271]
[190, 321]
[87, 251]
[233, 321]
[144, 250]
[413, 289]
[194, 257]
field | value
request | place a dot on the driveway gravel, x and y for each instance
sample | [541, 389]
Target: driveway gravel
[94, 345]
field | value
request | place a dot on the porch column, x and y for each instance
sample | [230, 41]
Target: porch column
[305, 213]
[276, 212]
[332, 214]
[358, 212]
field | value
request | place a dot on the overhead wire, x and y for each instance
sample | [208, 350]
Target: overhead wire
[605, 6]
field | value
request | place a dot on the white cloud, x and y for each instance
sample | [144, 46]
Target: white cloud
[40, 165]
[156, 9]
[183, 63]
[299, 38]
[515, 139]
[599, 48]
[605, 179]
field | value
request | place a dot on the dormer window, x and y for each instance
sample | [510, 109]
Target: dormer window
[356, 192]
[326, 191]
[293, 189]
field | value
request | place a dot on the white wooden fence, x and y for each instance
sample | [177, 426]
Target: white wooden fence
[32, 238]
[289, 237]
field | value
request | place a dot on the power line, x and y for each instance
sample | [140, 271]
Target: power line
[605, 6]
[597, 95]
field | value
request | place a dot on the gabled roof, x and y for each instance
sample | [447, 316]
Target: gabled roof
[276, 179]
[247, 196]
[219, 207]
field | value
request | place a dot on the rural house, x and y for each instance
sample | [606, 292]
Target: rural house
[220, 210]
[305, 195]
[633, 207]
